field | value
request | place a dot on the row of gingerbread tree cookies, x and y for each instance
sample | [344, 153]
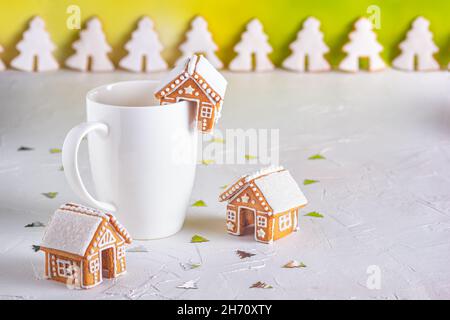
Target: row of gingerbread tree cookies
[144, 49]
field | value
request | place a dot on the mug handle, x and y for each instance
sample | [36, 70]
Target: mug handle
[70, 156]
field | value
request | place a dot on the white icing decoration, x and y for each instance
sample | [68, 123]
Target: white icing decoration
[189, 90]
[261, 233]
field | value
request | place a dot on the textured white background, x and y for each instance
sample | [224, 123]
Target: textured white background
[384, 189]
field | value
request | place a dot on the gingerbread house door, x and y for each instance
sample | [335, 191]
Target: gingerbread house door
[194, 102]
[246, 217]
[108, 262]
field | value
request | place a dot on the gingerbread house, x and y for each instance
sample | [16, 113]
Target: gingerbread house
[195, 80]
[269, 200]
[84, 245]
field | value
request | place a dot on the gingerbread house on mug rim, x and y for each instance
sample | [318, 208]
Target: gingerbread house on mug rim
[268, 199]
[84, 245]
[196, 80]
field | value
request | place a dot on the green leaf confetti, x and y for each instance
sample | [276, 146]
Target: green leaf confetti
[314, 214]
[250, 157]
[316, 157]
[309, 181]
[55, 150]
[50, 195]
[199, 203]
[35, 248]
[197, 239]
[294, 264]
[189, 266]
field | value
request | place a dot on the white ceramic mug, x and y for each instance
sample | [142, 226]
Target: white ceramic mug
[142, 157]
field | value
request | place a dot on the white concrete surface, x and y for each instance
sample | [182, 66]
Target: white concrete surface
[384, 189]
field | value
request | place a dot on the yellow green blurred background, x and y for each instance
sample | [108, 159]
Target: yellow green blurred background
[282, 19]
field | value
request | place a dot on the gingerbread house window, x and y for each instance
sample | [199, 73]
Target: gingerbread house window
[285, 222]
[120, 252]
[261, 221]
[64, 268]
[94, 265]
[206, 112]
[231, 215]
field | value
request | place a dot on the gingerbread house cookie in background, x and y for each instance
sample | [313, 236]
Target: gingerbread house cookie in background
[268, 199]
[84, 245]
[195, 80]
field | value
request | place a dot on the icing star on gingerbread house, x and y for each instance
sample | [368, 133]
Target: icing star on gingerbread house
[195, 80]
[269, 200]
[84, 245]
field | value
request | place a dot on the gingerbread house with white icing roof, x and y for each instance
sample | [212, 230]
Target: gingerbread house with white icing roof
[269, 200]
[84, 245]
[195, 80]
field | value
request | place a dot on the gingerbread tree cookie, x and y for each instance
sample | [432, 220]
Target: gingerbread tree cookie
[309, 49]
[254, 43]
[144, 49]
[363, 44]
[199, 41]
[91, 49]
[418, 49]
[35, 49]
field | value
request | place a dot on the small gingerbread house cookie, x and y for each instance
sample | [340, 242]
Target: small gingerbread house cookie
[195, 80]
[84, 245]
[268, 199]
